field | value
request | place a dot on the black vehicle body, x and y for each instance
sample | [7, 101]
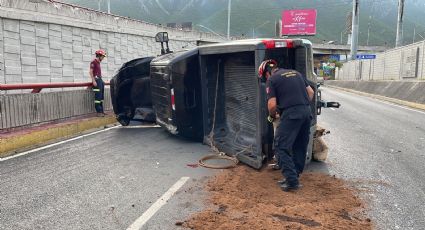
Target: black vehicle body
[176, 93]
[213, 93]
[131, 91]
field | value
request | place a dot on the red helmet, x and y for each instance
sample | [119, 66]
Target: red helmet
[100, 53]
[266, 66]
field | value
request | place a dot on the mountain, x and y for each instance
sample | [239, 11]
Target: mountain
[257, 17]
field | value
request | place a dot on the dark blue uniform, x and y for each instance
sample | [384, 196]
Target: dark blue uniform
[292, 135]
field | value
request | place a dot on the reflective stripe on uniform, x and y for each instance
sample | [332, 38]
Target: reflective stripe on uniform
[97, 102]
[96, 90]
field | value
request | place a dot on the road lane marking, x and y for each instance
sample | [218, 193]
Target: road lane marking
[141, 126]
[400, 106]
[371, 96]
[138, 224]
[55, 144]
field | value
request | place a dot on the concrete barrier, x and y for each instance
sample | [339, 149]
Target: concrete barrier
[409, 91]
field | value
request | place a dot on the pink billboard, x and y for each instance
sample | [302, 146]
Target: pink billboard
[299, 22]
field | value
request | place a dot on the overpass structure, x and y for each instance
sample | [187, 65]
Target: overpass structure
[331, 49]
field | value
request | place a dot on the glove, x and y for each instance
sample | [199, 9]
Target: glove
[270, 119]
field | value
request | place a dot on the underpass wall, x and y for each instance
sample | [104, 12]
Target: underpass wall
[410, 91]
[405, 63]
[48, 41]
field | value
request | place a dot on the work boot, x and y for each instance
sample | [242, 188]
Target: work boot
[100, 114]
[275, 166]
[287, 187]
[281, 182]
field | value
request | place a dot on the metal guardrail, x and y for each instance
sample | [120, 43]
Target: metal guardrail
[23, 109]
[37, 87]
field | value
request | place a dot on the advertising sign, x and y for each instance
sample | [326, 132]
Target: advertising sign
[299, 22]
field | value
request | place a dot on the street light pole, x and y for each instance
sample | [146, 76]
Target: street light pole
[212, 31]
[355, 30]
[399, 38]
[414, 33]
[253, 29]
[229, 10]
[109, 6]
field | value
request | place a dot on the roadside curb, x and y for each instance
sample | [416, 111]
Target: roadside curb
[10, 145]
[384, 98]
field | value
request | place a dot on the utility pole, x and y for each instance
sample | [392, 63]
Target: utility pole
[229, 10]
[98, 5]
[109, 6]
[399, 39]
[414, 33]
[368, 34]
[355, 30]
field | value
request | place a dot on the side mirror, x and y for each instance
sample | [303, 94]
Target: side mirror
[161, 37]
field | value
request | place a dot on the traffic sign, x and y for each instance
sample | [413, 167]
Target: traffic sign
[366, 56]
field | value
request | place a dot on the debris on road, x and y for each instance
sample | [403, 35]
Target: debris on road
[243, 198]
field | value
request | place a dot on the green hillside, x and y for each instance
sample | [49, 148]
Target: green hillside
[257, 18]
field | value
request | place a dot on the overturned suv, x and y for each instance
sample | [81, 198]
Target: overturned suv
[212, 93]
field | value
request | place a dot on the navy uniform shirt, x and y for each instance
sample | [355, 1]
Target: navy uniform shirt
[288, 87]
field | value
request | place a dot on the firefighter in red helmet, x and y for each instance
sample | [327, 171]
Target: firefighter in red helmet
[98, 84]
[289, 97]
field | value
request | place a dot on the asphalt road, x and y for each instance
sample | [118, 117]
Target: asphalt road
[108, 180]
[380, 148]
[103, 181]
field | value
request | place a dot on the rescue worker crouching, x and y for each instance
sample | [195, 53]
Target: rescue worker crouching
[98, 84]
[289, 97]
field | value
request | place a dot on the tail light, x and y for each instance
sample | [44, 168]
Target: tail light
[270, 44]
[173, 100]
[288, 43]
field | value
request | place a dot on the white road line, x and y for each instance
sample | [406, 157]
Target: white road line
[141, 126]
[138, 224]
[382, 101]
[400, 106]
[55, 144]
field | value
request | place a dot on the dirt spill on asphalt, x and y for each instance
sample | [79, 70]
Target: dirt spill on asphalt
[243, 198]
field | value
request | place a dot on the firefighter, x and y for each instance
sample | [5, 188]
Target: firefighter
[98, 84]
[274, 120]
[289, 97]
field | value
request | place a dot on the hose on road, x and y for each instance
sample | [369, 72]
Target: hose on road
[233, 161]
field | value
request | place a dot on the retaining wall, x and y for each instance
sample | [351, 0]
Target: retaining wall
[406, 63]
[48, 41]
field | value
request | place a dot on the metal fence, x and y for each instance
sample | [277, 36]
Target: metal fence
[403, 63]
[27, 109]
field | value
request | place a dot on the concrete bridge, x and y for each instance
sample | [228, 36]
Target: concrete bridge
[331, 49]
